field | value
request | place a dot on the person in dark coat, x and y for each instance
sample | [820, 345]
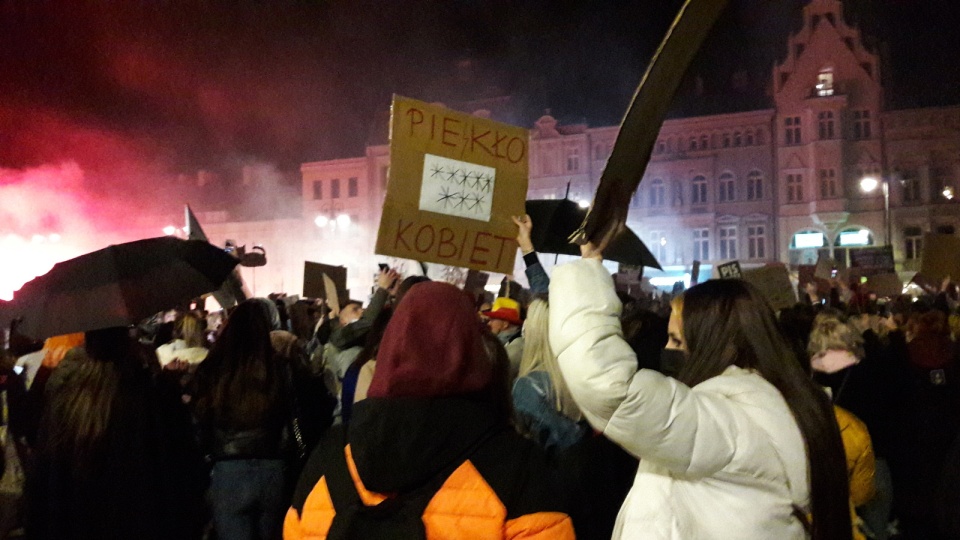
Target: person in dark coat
[115, 456]
[433, 435]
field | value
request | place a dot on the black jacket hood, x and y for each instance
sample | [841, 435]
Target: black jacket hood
[399, 444]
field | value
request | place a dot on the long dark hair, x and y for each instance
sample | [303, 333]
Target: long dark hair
[77, 415]
[728, 322]
[239, 384]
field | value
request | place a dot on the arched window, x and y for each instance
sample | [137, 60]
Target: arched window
[704, 142]
[749, 137]
[806, 246]
[737, 139]
[854, 237]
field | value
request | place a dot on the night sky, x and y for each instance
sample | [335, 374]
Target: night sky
[138, 90]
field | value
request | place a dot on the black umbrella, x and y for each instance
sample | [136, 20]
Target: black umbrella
[118, 286]
[555, 220]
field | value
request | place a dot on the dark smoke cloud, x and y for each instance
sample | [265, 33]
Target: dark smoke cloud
[137, 91]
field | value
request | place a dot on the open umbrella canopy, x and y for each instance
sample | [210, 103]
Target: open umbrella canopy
[117, 286]
[555, 220]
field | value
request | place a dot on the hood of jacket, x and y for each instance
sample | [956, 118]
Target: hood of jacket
[399, 444]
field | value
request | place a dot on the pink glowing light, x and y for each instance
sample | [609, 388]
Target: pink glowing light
[34, 258]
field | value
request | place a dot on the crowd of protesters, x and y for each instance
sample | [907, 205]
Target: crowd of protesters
[566, 411]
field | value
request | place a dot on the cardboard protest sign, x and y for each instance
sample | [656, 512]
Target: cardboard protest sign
[807, 274]
[827, 268]
[773, 281]
[730, 270]
[872, 261]
[455, 180]
[476, 282]
[325, 281]
[885, 285]
[941, 257]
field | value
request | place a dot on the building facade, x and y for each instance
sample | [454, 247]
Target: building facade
[776, 184]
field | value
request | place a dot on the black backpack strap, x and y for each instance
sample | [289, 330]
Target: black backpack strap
[399, 517]
[343, 492]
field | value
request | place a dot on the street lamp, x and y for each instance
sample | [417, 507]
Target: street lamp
[948, 193]
[870, 183]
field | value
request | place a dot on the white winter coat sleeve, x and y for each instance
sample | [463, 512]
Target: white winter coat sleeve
[691, 433]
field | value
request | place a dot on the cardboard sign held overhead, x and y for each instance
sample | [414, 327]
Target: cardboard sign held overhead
[476, 282]
[941, 257]
[730, 270]
[455, 180]
[827, 268]
[773, 281]
[325, 281]
[884, 285]
[872, 261]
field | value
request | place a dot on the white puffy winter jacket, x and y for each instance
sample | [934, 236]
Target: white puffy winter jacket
[724, 460]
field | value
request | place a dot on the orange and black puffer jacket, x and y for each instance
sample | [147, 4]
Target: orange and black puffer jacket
[489, 482]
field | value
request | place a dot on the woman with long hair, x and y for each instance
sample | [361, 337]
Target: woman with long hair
[742, 444]
[242, 409]
[115, 454]
[544, 408]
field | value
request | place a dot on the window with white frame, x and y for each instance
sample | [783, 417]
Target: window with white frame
[699, 194]
[911, 190]
[912, 243]
[756, 242]
[573, 159]
[828, 184]
[656, 193]
[794, 188]
[726, 187]
[676, 196]
[701, 244]
[658, 245]
[754, 186]
[728, 242]
[861, 125]
[791, 130]
[825, 120]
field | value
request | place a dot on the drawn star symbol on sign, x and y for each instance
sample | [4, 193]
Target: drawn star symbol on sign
[476, 180]
[485, 182]
[436, 170]
[461, 200]
[445, 196]
[451, 174]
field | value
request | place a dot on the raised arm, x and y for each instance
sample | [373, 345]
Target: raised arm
[651, 416]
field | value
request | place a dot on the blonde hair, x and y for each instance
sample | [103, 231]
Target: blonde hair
[831, 333]
[189, 329]
[538, 356]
